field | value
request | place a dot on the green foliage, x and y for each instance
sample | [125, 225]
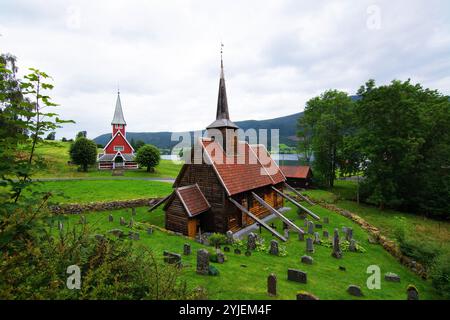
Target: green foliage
[217, 239]
[440, 274]
[148, 156]
[423, 252]
[83, 152]
[137, 145]
[51, 136]
[213, 271]
[323, 130]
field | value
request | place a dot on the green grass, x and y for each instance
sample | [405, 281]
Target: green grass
[388, 221]
[55, 155]
[83, 191]
[244, 277]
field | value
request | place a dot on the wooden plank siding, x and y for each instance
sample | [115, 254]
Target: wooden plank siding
[176, 217]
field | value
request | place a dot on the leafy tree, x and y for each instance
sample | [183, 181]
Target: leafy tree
[83, 152]
[148, 156]
[81, 134]
[323, 128]
[51, 136]
[64, 139]
[404, 137]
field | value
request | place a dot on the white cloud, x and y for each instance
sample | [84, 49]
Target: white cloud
[165, 55]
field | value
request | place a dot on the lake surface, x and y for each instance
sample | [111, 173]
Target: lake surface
[282, 159]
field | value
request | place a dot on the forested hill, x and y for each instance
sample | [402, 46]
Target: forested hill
[287, 126]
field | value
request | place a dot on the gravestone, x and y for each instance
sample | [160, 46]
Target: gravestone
[354, 290]
[133, 211]
[326, 220]
[131, 224]
[318, 226]
[248, 253]
[310, 227]
[349, 234]
[392, 277]
[149, 230]
[110, 218]
[203, 262]
[83, 220]
[296, 275]
[412, 293]
[274, 247]
[229, 235]
[60, 226]
[325, 234]
[116, 232]
[99, 237]
[301, 236]
[307, 259]
[133, 235]
[286, 233]
[309, 245]
[303, 295]
[237, 251]
[226, 249]
[172, 258]
[251, 241]
[305, 222]
[337, 253]
[186, 249]
[352, 245]
[344, 230]
[317, 238]
[220, 257]
[342, 268]
[122, 221]
[272, 285]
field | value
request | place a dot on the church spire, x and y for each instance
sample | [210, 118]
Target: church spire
[118, 113]
[222, 114]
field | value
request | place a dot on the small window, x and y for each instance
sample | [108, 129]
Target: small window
[119, 126]
[118, 148]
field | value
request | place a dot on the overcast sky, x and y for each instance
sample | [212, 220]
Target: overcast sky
[165, 56]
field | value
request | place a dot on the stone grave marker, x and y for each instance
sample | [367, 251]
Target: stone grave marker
[248, 253]
[203, 262]
[274, 247]
[149, 230]
[309, 245]
[303, 295]
[226, 249]
[110, 218]
[392, 277]
[297, 276]
[307, 259]
[229, 235]
[122, 221]
[318, 226]
[326, 220]
[272, 285]
[172, 258]
[186, 249]
[220, 257]
[349, 234]
[251, 241]
[325, 234]
[83, 220]
[352, 245]
[286, 233]
[116, 232]
[237, 251]
[337, 253]
[317, 238]
[412, 293]
[131, 224]
[310, 227]
[354, 290]
[133, 211]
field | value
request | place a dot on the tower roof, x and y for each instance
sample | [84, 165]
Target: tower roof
[118, 113]
[222, 114]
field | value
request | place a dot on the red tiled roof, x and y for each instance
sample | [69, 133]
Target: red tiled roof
[296, 171]
[193, 199]
[244, 170]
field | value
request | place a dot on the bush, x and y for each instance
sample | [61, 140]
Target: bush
[421, 251]
[83, 152]
[148, 156]
[213, 271]
[440, 274]
[217, 239]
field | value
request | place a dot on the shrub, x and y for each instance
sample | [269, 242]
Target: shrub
[83, 152]
[217, 239]
[213, 271]
[421, 251]
[440, 274]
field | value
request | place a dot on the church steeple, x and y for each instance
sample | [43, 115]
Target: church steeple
[222, 114]
[118, 113]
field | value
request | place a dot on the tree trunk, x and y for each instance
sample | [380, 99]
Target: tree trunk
[148, 168]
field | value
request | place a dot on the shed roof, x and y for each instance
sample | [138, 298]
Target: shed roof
[300, 172]
[193, 199]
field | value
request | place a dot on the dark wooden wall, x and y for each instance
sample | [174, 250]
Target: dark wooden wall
[176, 217]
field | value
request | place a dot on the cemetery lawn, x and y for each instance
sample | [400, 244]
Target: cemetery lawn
[432, 232]
[55, 156]
[243, 277]
[84, 191]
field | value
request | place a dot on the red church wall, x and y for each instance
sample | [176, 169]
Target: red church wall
[119, 140]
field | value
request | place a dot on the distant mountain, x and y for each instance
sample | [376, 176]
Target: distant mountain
[287, 126]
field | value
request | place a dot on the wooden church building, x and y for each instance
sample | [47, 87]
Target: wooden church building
[229, 186]
[118, 153]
